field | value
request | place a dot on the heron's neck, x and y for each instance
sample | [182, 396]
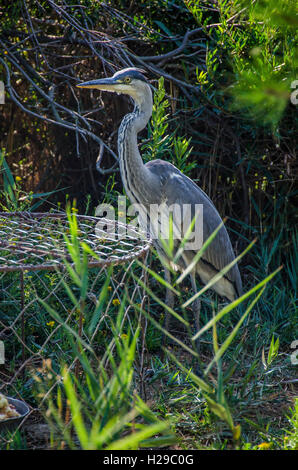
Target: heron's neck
[135, 176]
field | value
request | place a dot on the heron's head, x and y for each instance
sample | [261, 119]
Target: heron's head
[129, 81]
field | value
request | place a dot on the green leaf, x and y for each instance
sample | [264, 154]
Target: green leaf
[230, 338]
[218, 276]
[234, 304]
[134, 440]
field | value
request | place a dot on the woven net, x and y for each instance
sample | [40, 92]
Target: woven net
[31, 241]
[33, 275]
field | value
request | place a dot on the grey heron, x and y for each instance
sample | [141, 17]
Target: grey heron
[160, 182]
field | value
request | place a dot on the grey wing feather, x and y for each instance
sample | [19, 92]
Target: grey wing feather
[178, 188]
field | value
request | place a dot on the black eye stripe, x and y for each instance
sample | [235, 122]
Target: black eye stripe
[132, 73]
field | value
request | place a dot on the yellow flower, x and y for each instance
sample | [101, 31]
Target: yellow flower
[110, 288]
[51, 324]
[18, 179]
[264, 445]
[116, 302]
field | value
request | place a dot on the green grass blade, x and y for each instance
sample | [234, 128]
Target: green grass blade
[198, 255]
[218, 276]
[235, 303]
[164, 331]
[230, 338]
[197, 380]
[134, 440]
[159, 278]
[163, 304]
[75, 407]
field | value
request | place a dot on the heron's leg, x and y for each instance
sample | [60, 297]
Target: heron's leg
[169, 300]
[196, 307]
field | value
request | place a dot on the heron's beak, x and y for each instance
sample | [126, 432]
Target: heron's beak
[106, 84]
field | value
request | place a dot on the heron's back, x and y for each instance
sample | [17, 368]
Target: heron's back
[177, 188]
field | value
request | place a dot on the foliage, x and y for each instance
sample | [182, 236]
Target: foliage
[98, 394]
[160, 143]
[14, 198]
[223, 115]
[291, 438]
[214, 393]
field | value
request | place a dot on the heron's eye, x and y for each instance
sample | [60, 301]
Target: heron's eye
[127, 79]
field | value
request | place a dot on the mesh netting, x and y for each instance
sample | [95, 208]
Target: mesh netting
[33, 251]
[34, 241]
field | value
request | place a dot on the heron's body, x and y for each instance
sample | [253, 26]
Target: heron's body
[159, 182]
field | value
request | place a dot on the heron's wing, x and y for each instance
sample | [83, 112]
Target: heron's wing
[178, 189]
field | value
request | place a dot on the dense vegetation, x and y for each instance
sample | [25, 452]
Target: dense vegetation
[225, 113]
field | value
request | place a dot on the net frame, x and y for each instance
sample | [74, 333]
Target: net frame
[32, 240]
[24, 252]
